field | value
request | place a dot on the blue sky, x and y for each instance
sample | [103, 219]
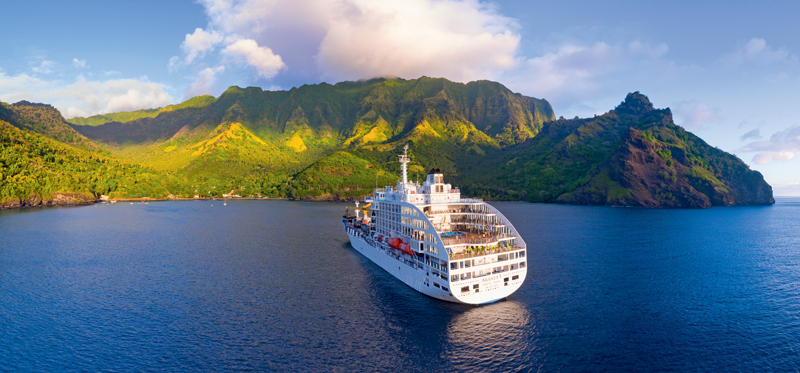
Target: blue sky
[729, 71]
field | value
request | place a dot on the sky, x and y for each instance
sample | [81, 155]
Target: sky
[728, 70]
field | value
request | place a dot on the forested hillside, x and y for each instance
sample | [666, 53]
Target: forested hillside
[633, 155]
[332, 142]
[35, 170]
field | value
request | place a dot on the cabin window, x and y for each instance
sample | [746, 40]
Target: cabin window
[453, 278]
[505, 279]
[465, 289]
[505, 269]
[515, 277]
[495, 270]
[502, 257]
[437, 285]
[475, 286]
[467, 264]
[466, 276]
[454, 265]
[522, 264]
[514, 266]
[521, 254]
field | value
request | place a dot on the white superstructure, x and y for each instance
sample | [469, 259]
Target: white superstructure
[456, 249]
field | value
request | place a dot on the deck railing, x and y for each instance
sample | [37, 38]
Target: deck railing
[476, 240]
[499, 250]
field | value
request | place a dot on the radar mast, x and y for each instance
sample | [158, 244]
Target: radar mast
[404, 165]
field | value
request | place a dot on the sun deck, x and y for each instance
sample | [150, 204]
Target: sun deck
[476, 253]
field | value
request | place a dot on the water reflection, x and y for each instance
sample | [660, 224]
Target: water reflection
[275, 286]
[492, 336]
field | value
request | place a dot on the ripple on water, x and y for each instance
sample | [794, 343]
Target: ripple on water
[275, 286]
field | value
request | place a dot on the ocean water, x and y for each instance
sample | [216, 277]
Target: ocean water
[275, 286]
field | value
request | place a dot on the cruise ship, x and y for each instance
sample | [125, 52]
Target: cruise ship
[456, 249]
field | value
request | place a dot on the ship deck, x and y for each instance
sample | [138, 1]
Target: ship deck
[473, 237]
[468, 255]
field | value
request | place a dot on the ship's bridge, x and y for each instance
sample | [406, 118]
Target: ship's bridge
[432, 191]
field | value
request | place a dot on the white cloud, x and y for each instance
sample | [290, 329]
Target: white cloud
[766, 157]
[652, 51]
[79, 63]
[692, 114]
[173, 64]
[781, 146]
[267, 63]
[198, 43]
[46, 67]
[756, 51]
[459, 40]
[754, 134]
[85, 97]
[204, 83]
[578, 72]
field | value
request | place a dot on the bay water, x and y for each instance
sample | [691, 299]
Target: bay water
[275, 286]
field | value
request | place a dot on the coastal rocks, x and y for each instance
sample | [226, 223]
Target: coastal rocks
[70, 199]
[33, 200]
[56, 199]
[10, 203]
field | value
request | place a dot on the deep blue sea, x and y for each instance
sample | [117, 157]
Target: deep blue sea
[275, 286]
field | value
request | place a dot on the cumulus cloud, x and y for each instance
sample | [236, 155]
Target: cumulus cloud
[267, 63]
[460, 40]
[198, 43]
[79, 63]
[692, 114]
[46, 67]
[781, 146]
[754, 134]
[85, 97]
[204, 83]
[756, 51]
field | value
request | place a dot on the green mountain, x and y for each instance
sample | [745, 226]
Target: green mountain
[36, 170]
[46, 120]
[633, 155]
[249, 138]
[127, 116]
[338, 141]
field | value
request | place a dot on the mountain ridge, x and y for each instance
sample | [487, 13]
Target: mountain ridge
[492, 142]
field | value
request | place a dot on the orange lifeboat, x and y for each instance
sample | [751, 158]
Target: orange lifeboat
[406, 248]
[398, 244]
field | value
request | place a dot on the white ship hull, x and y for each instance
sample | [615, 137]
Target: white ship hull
[491, 287]
[460, 250]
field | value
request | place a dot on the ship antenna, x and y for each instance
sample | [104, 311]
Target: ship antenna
[404, 161]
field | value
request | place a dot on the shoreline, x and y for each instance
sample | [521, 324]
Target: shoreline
[21, 205]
